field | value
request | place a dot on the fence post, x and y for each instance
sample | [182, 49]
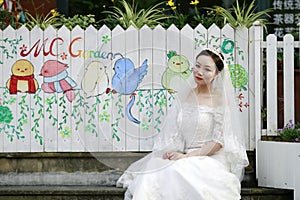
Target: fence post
[288, 78]
[258, 79]
[271, 72]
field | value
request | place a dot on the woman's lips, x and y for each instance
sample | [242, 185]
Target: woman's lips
[199, 78]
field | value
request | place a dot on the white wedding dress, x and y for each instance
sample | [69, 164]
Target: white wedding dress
[192, 178]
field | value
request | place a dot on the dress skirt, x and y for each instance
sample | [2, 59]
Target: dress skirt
[192, 178]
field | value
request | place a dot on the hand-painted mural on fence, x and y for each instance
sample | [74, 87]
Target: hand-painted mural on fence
[238, 73]
[178, 67]
[56, 79]
[22, 78]
[126, 79]
[76, 90]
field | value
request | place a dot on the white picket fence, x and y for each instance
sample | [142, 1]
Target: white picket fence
[49, 122]
[272, 48]
[277, 163]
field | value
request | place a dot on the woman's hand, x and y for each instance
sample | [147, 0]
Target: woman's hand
[173, 155]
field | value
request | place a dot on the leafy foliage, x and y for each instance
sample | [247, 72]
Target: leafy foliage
[81, 20]
[127, 15]
[56, 20]
[6, 19]
[290, 132]
[239, 16]
[51, 18]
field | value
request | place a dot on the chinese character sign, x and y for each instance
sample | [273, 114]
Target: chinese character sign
[286, 16]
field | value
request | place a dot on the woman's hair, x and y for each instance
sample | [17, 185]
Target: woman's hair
[218, 58]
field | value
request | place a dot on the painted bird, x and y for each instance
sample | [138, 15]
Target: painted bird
[56, 79]
[126, 79]
[95, 80]
[22, 78]
[178, 69]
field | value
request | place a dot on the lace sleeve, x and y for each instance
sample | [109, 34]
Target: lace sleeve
[217, 134]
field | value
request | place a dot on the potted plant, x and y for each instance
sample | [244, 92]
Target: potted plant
[129, 15]
[278, 159]
[239, 16]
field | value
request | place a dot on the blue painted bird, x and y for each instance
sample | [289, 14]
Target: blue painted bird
[126, 80]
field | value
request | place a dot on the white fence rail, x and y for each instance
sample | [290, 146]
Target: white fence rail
[70, 107]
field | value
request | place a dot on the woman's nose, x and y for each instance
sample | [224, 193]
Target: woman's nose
[200, 72]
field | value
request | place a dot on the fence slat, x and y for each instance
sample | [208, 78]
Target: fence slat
[173, 45]
[241, 78]
[288, 75]
[91, 122]
[251, 73]
[37, 100]
[271, 78]
[51, 98]
[258, 80]
[200, 38]
[186, 42]
[105, 109]
[77, 62]
[214, 37]
[11, 129]
[160, 60]
[24, 99]
[132, 52]
[146, 114]
[118, 103]
[2, 87]
[64, 111]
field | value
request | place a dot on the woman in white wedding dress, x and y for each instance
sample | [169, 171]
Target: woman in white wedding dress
[200, 153]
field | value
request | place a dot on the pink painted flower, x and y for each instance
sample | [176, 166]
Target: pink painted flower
[23, 48]
[64, 56]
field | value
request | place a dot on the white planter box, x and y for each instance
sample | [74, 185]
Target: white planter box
[278, 165]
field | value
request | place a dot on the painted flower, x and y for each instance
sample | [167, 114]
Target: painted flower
[66, 133]
[105, 39]
[88, 128]
[64, 56]
[227, 46]
[239, 76]
[162, 102]
[23, 47]
[194, 2]
[145, 126]
[6, 115]
[48, 101]
[104, 117]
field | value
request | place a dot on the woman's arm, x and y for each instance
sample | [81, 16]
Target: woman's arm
[208, 149]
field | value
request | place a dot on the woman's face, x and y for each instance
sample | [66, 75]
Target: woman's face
[205, 70]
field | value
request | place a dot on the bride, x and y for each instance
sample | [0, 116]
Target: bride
[200, 154]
